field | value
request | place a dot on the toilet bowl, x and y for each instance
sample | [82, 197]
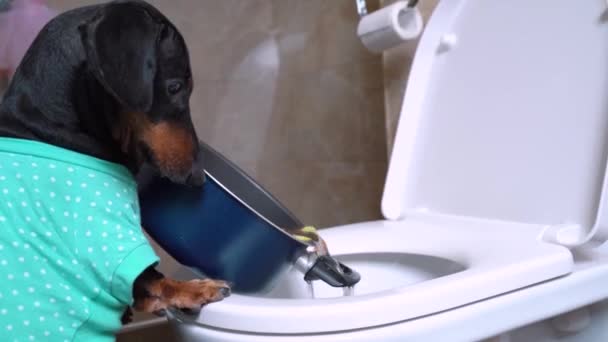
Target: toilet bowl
[410, 269]
[494, 202]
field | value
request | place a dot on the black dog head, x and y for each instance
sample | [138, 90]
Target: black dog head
[141, 61]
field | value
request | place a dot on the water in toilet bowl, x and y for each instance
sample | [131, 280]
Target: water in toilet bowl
[379, 272]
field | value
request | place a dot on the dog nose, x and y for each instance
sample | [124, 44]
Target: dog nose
[196, 179]
[197, 173]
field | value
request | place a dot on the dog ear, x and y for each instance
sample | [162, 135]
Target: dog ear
[120, 45]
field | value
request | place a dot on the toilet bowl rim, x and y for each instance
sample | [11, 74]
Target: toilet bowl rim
[478, 282]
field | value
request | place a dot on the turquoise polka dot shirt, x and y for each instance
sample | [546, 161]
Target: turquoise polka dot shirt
[71, 244]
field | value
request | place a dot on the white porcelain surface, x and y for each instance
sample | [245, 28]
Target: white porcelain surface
[473, 322]
[496, 260]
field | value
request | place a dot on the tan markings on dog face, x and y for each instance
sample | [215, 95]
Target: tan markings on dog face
[172, 147]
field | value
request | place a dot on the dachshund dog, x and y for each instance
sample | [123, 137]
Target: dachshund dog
[102, 90]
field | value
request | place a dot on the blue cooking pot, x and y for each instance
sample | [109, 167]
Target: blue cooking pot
[230, 229]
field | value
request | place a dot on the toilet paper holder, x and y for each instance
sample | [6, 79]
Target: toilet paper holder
[362, 6]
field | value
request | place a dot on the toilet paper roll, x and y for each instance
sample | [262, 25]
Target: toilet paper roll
[389, 26]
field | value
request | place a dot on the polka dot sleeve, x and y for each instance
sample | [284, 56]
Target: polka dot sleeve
[127, 271]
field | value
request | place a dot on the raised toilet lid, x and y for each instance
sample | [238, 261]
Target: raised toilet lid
[505, 117]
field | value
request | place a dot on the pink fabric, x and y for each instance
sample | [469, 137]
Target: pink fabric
[18, 28]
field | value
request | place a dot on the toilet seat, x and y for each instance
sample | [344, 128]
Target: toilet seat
[472, 322]
[488, 272]
[499, 164]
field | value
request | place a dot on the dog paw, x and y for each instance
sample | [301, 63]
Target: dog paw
[193, 294]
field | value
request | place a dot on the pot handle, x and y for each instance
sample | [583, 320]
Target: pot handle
[332, 272]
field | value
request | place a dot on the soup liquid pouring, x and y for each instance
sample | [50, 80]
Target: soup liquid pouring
[311, 289]
[348, 291]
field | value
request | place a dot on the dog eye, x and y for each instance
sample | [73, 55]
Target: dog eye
[174, 87]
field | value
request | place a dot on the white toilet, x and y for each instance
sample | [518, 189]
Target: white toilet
[494, 200]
